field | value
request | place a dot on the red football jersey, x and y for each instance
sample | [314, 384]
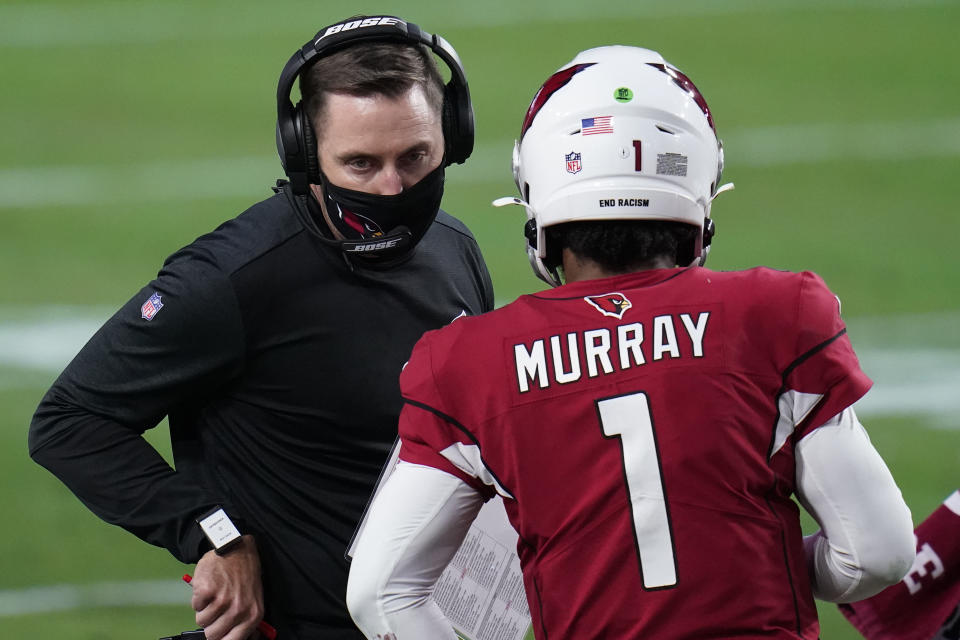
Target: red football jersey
[925, 605]
[642, 429]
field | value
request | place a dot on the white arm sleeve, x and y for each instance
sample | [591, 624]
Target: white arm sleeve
[414, 528]
[866, 540]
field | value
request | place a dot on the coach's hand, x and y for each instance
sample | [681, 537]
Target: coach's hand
[228, 593]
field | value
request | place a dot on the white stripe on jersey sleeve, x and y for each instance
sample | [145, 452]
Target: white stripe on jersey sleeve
[794, 407]
[953, 502]
[466, 457]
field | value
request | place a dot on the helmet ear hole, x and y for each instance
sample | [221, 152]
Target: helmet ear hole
[709, 230]
[554, 240]
[530, 232]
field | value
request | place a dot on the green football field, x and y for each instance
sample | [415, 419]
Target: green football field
[129, 128]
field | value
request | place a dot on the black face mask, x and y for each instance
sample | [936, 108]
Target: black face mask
[384, 226]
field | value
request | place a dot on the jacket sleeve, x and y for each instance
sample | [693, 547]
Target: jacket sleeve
[167, 349]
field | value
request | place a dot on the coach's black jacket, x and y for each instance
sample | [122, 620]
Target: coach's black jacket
[277, 362]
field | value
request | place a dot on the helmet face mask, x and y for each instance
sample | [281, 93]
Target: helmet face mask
[616, 134]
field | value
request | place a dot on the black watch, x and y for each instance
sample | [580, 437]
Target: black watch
[220, 530]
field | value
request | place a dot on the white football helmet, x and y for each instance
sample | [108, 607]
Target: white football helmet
[616, 134]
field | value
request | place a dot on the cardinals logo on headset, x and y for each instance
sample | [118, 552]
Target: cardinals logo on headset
[613, 305]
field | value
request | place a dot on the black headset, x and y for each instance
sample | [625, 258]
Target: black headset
[296, 140]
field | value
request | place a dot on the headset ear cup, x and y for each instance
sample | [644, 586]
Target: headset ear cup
[450, 126]
[308, 142]
[457, 123]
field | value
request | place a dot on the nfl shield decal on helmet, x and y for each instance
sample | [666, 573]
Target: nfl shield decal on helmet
[573, 162]
[613, 305]
[151, 307]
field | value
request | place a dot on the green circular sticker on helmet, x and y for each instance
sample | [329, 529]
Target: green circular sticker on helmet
[623, 94]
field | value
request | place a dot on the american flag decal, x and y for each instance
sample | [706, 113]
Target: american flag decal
[596, 124]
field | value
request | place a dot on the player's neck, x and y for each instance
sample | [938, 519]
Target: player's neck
[577, 268]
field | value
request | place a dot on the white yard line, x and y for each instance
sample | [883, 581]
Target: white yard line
[920, 381]
[863, 141]
[45, 344]
[65, 597]
[252, 176]
[914, 360]
[166, 181]
[137, 23]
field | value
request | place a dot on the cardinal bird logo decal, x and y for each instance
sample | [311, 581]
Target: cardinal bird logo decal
[613, 305]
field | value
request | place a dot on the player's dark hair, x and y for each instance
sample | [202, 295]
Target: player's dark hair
[367, 69]
[621, 246]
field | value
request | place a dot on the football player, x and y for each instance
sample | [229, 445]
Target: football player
[648, 421]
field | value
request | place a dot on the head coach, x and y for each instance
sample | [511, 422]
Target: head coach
[274, 343]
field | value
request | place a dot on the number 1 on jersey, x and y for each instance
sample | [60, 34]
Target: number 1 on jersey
[628, 418]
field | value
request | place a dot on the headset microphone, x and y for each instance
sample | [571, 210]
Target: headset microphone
[396, 240]
[387, 245]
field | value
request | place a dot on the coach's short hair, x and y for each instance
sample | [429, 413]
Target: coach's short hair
[368, 69]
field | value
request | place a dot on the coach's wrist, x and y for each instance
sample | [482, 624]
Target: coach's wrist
[221, 531]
